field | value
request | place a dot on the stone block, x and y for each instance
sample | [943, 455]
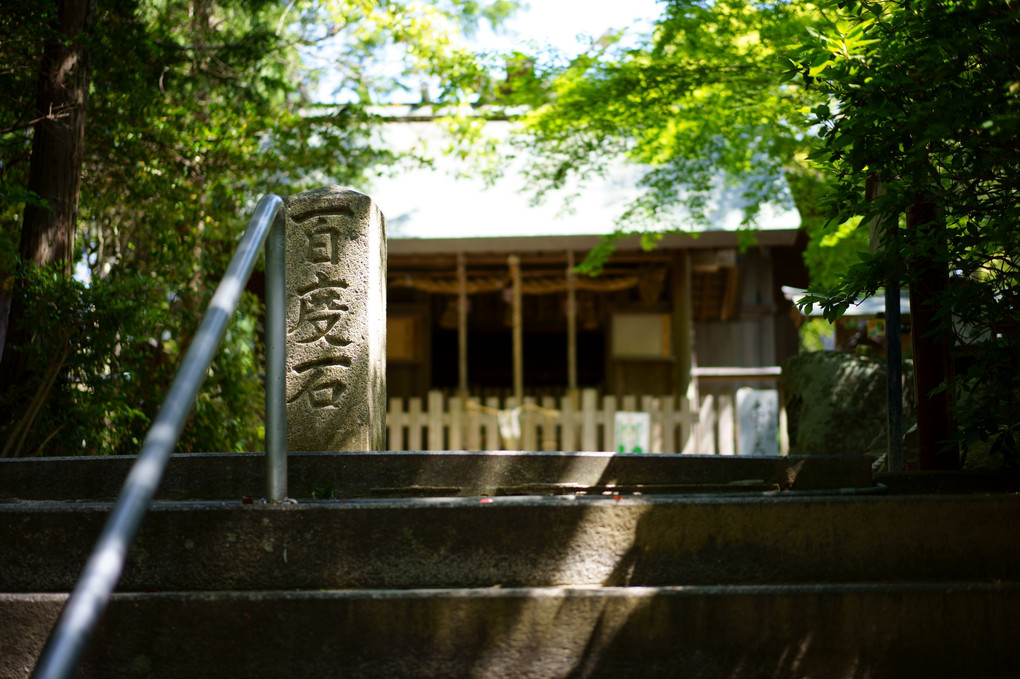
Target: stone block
[758, 421]
[836, 403]
[336, 321]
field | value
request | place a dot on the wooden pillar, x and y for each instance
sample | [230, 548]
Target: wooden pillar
[518, 337]
[767, 323]
[462, 334]
[686, 360]
[571, 324]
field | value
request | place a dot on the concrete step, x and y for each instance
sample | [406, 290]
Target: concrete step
[519, 565]
[878, 631]
[525, 542]
[219, 476]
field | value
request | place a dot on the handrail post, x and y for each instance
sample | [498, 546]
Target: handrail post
[276, 355]
[105, 564]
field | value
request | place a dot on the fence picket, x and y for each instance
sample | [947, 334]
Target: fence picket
[690, 422]
[435, 421]
[650, 405]
[473, 415]
[414, 424]
[608, 417]
[669, 424]
[529, 435]
[708, 422]
[548, 424]
[727, 431]
[589, 421]
[395, 424]
[568, 424]
[490, 424]
[456, 423]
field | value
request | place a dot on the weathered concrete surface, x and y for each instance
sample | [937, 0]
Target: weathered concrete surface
[876, 631]
[525, 542]
[336, 321]
[937, 482]
[212, 476]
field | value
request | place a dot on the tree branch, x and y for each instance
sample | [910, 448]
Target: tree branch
[60, 112]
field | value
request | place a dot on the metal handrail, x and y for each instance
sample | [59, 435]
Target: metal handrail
[103, 569]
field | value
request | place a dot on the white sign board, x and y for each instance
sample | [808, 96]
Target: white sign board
[758, 421]
[633, 432]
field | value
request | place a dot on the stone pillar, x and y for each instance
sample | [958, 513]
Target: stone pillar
[336, 321]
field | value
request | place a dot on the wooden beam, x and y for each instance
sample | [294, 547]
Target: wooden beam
[727, 373]
[526, 245]
[731, 298]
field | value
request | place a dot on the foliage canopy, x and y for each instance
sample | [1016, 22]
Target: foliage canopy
[918, 95]
[924, 97]
[702, 104]
[195, 109]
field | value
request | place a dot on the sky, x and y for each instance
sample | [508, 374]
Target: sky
[566, 25]
[561, 23]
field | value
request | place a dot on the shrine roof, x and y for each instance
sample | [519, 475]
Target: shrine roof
[446, 199]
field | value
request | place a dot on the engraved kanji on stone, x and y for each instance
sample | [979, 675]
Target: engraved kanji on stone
[321, 308]
[336, 321]
[323, 242]
[320, 382]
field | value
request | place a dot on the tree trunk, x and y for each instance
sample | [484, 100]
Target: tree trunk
[58, 144]
[931, 339]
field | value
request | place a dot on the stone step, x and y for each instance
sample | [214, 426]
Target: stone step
[525, 542]
[219, 476]
[894, 631]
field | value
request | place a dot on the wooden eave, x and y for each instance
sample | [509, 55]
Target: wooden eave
[430, 265]
[536, 245]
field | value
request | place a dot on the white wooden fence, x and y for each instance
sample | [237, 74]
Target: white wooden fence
[584, 422]
[581, 423]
